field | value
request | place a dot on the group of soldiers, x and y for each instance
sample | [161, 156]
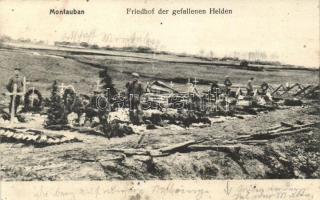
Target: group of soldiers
[134, 92]
[249, 87]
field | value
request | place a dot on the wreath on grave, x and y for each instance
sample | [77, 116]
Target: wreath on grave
[33, 100]
[264, 86]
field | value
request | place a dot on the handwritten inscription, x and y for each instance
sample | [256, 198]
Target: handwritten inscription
[125, 191]
[181, 190]
[93, 36]
[272, 192]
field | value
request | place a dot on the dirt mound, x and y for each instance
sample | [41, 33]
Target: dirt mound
[290, 152]
[36, 138]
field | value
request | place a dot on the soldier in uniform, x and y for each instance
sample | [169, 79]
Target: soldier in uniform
[214, 87]
[98, 105]
[215, 90]
[250, 87]
[17, 80]
[227, 84]
[134, 93]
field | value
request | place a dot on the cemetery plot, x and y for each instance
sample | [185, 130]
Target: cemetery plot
[84, 124]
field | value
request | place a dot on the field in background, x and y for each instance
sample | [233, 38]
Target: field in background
[42, 65]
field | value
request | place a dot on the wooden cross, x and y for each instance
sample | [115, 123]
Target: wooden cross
[62, 87]
[216, 99]
[14, 94]
[32, 96]
[25, 89]
[189, 85]
[188, 81]
[98, 86]
[25, 84]
[108, 94]
[195, 81]
[227, 103]
[171, 84]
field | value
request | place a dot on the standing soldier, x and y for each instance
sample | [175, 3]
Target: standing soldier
[250, 87]
[17, 80]
[214, 87]
[227, 84]
[134, 93]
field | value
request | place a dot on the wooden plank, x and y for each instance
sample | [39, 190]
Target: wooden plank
[302, 91]
[255, 142]
[178, 146]
[286, 124]
[224, 148]
[293, 131]
[277, 89]
[312, 90]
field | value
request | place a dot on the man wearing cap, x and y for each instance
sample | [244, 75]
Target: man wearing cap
[18, 80]
[227, 84]
[134, 92]
[250, 87]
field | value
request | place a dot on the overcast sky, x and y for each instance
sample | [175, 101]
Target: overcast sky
[284, 29]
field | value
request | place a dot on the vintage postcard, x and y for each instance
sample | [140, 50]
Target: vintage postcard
[172, 99]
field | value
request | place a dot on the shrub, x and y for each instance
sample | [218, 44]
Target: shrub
[56, 112]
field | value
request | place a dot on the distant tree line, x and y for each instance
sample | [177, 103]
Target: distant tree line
[258, 58]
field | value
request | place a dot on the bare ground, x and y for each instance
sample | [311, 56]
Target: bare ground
[294, 156]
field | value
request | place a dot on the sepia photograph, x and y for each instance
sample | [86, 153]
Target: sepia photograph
[159, 90]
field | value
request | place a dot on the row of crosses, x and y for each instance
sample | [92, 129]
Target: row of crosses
[62, 87]
[32, 96]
